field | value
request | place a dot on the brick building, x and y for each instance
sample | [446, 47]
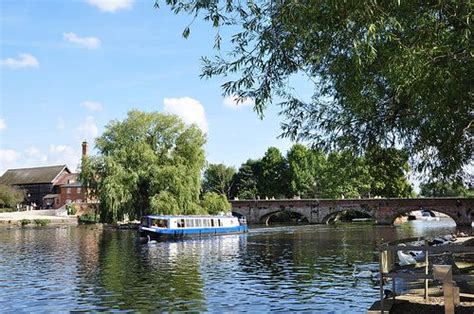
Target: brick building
[47, 187]
[38, 183]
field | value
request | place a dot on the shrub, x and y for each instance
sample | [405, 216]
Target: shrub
[25, 222]
[42, 222]
[88, 219]
[71, 209]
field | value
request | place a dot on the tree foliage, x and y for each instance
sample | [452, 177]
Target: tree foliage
[388, 169]
[300, 171]
[246, 180]
[218, 178]
[445, 189]
[310, 173]
[271, 182]
[10, 196]
[384, 73]
[215, 203]
[148, 163]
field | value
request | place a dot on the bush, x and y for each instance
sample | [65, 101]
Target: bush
[71, 209]
[42, 222]
[88, 219]
[25, 222]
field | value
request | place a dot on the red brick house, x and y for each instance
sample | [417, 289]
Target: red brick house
[44, 185]
[72, 191]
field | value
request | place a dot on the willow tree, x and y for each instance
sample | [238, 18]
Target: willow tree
[383, 73]
[147, 163]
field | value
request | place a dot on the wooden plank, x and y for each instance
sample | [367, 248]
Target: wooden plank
[423, 276]
[433, 249]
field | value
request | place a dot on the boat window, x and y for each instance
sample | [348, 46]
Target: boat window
[181, 223]
[212, 222]
[159, 223]
[219, 222]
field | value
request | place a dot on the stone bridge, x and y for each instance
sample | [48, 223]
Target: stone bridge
[383, 211]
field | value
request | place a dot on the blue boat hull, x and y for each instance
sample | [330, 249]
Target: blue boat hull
[165, 234]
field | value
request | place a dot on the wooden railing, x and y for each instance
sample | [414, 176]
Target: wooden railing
[389, 269]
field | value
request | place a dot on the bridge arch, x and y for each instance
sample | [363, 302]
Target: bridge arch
[265, 219]
[333, 213]
[402, 211]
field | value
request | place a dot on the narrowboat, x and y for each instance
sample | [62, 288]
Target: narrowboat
[159, 227]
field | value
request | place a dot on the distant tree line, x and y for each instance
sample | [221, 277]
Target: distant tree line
[311, 173]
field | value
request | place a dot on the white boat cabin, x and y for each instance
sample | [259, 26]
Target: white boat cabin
[187, 222]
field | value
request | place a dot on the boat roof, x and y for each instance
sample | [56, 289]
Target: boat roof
[186, 216]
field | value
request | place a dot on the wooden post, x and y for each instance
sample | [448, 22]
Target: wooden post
[426, 271]
[381, 279]
[445, 273]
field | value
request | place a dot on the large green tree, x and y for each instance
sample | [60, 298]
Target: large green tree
[218, 178]
[246, 180]
[300, 172]
[147, 163]
[383, 73]
[272, 180]
[388, 169]
[346, 176]
[10, 196]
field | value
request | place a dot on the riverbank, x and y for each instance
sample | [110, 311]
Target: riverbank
[53, 217]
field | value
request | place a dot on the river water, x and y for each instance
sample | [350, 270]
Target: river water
[285, 268]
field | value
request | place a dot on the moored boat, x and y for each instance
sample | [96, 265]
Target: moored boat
[159, 227]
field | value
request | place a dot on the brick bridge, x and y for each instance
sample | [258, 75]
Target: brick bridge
[383, 211]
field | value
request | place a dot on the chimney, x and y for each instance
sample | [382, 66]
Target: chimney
[84, 148]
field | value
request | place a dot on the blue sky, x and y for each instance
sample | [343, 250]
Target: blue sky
[69, 67]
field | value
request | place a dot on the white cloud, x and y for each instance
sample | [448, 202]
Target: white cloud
[34, 156]
[88, 128]
[8, 156]
[188, 109]
[64, 154]
[60, 149]
[87, 42]
[3, 125]
[232, 102]
[111, 5]
[92, 105]
[25, 60]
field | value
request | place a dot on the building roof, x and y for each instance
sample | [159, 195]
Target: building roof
[76, 184]
[32, 175]
[50, 196]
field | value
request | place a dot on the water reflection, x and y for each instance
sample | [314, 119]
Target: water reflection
[293, 268]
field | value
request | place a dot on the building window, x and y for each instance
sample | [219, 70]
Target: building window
[68, 191]
[78, 190]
